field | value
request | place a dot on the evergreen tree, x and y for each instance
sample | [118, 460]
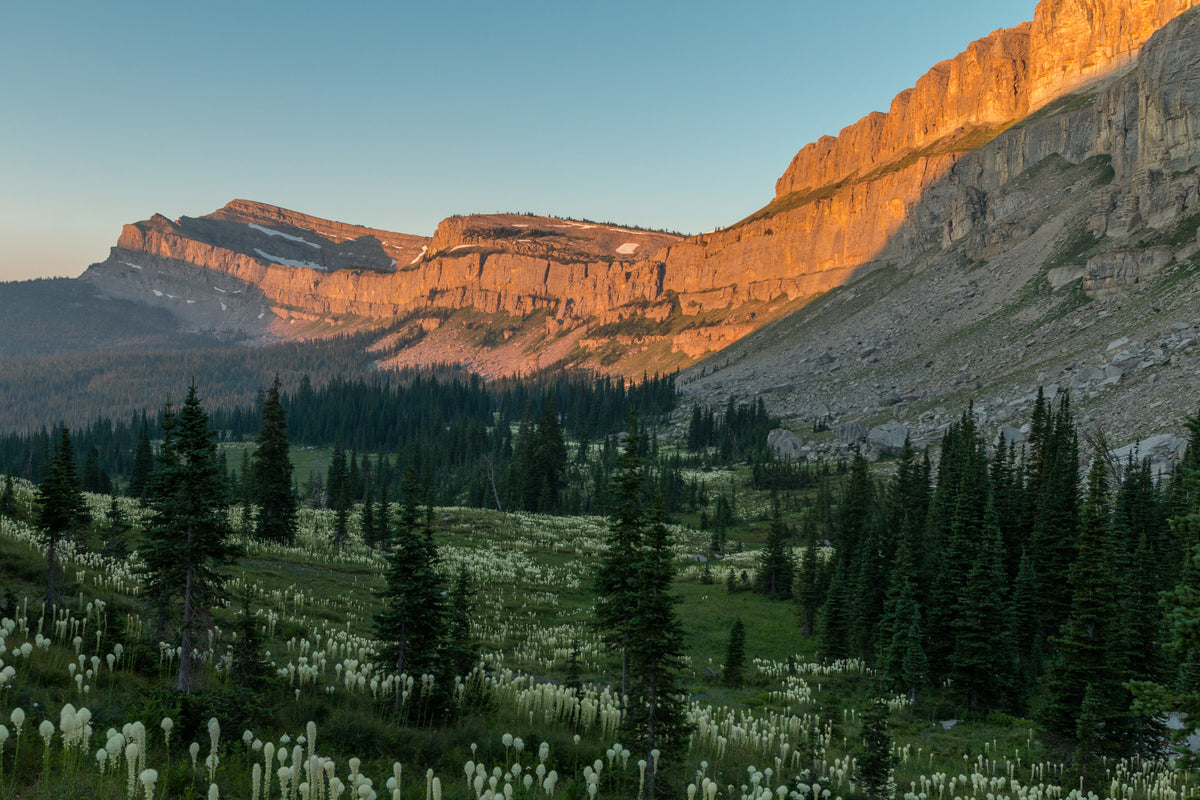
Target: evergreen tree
[656, 713]
[409, 627]
[776, 571]
[249, 666]
[143, 464]
[272, 484]
[116, 544]
[187, 532]
[61, 510]
[339, 495]
[735, 656]
[808, 587]
[8, 498]
[615, 578]
[875, 765]
[1052, 539]
[1090, 659]
[461, 651]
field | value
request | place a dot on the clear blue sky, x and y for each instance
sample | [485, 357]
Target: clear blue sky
[394, 114]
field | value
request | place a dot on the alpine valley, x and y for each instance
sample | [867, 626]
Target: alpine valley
[1026, 215]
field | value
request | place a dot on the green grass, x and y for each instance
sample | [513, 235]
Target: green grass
[535, 600]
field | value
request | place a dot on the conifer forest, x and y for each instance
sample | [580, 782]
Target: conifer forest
[425, 585]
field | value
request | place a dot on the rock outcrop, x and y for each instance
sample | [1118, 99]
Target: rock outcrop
[938, 173]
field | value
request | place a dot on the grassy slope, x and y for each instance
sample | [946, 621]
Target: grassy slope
[534, 601]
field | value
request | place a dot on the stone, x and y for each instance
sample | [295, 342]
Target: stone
[851, 433]
[888, 438]
[785, 443]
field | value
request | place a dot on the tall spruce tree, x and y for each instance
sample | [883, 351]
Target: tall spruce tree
[776, 570]
[143, 463]
[187, 532]
[655, 717]
[735, 656]
[272, 484]
[1090, 660]
[615, 578]
[410, 625]
[61, 509]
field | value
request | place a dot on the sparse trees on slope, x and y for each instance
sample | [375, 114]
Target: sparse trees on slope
[271, 488]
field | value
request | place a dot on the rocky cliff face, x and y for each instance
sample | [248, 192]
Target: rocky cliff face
[935, 175]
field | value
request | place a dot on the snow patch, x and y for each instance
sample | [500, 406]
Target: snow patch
[520, 224]
[460, 247]
[420, 255]
[287, 262]
[157, 293]
[288, 236]
[189, 302]
[628, 249]
[224, 307]
[126, 263]
[262, 314]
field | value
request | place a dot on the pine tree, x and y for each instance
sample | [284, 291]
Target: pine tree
[615, 574]
[8, 498]
[410, 624]
[1090, 659]
[776, 571]
[249, 666]
[61, 510]
[735, 656]
[808, 586]
[272, 483]
[143, 464]
[188, 533]
[461, 651]
[116, 544]
[339, 495]
[875, 765]
[655, 715]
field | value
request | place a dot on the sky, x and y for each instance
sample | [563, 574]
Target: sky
[395, 115]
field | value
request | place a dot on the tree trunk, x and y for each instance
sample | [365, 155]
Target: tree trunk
[52, 597]
[399, 675]
[183, 682]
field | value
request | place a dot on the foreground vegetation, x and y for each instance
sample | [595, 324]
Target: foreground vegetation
[372, 650]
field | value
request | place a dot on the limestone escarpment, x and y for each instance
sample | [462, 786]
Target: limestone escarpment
[939, 173]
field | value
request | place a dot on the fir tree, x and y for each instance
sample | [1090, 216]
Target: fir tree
[875, 765]
[1090, 658]
[249, 666]
[655, 716]
[461, 651]
[188, 534]
[143, 464]
[808, 587]
[735, 656]
[272, 485]
[615, 574]
[8, 498]
[116, 544]
[776, 570]
[410, 624]
[61, 510]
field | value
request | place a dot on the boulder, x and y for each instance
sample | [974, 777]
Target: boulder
[888, 438]
[785, 443]
[852, 432]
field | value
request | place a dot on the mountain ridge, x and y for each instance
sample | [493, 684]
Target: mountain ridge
[1068, 159]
